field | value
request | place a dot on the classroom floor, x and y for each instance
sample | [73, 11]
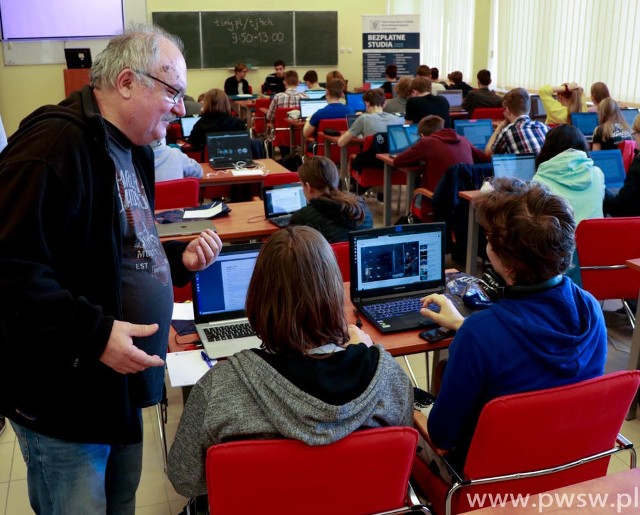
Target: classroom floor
[156, 496]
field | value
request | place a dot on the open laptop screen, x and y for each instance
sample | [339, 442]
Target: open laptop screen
[586, 123]
[397, 259]
[610, 162]
[316, 94]
[308, 107]
[401, 137]
[187, 123]
[520, 166]
[629, 115]
[355, 102]
[537, 107]
[478, 132]
[453, 96]
[283, 199]
[230, 147]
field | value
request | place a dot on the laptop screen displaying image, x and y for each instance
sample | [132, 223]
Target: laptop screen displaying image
[478, 132]
[187, 123]
[283, 199]
[585, 122]
[355, 102]
[225, 149]
[610, 162]
[308, 107]
[453, 96]
[401, 137]
[316, 94]
[629, 115]
[376, 85]
[521, 166]
[537, 107]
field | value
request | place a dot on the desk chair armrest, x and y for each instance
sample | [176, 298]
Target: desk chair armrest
[422, 191]
[420, 424]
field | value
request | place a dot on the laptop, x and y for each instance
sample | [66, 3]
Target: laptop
[520, 166]
[187, 123]
[351, 118]
[355, 102]
[376, 85]
[316, 94]
[302, 88]
[401, 137]
[392, 268]
[537, 111]
[610, 162]
[219, 295]
[629, 115]
[308, 107]
[77, 58]
[454, 97]
[281, 201]
[230, 149]
[183, 228]
[586, 123]
[478, 132]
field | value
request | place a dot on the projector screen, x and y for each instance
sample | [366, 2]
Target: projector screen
[62, 19]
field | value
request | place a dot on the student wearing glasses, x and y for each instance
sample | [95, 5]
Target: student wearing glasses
[237, 84]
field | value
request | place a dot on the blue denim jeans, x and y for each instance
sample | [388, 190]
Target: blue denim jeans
[67, 478]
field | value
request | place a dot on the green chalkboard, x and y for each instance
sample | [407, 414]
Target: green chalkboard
[316, 38]
[256, 38]
[185, 25]
[220, 39]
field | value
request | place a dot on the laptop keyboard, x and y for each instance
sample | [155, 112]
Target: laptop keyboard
[400, 307]
[281, 221]
[228, 332]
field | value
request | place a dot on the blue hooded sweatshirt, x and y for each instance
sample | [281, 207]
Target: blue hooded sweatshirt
[547, 339]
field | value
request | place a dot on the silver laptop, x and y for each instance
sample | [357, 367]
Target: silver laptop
[308, 107]
[184, 228]
[187, 123]
[219, 296]
[454, 97]
[281, 201]
[520, 166]
[401, 137]
[229, 149]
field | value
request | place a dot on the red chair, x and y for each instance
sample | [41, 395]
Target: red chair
[282, 128]
[341, 251]
[259, 128]
[366, 472]
[275, 179]
[628, 149]
[531, 442]
[177, 193]
[338, 124]
[369, 177]
[493, 113]
[174, 132]
[604, 245]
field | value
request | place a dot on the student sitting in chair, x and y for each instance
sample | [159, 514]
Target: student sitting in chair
[274, 83]
[172, 163]
[216, 117]
[482, 96]
[310, 78]
[333, 110]
[237, 84]
[612, 129]
[311, 380]
[541, 330]
[423, 103]
[569, 99]
[332, 212]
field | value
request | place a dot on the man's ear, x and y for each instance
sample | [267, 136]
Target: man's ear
[125, 82]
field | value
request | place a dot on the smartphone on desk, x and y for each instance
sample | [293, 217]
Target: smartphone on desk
[436, 334]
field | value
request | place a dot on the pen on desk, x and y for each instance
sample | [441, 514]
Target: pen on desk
[358, 321]
[206, 359]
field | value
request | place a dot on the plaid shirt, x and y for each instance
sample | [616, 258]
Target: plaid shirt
[523, 136]
[290, 98]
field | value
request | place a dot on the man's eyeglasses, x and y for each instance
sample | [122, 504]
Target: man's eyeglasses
[179, 94]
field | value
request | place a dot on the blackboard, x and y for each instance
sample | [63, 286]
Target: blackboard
[185, 25]
[215, 39]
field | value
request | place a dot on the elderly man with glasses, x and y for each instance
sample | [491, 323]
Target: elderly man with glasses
[85, 284]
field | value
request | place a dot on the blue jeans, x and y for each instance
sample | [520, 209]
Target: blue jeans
[67, 478]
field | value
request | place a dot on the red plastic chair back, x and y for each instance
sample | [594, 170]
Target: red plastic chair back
[493, 113]
[288, 476]
[341, 251]
[609, 242]
[628, 149]
[274, 179]
[177, 193]
[282, 133]
[339, 124]
[174, 132]
[259, 118]
[375, 176]
[542, 429]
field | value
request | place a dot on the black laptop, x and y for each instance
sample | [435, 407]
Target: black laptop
[229, 149]
[392, 268]
[281, 201]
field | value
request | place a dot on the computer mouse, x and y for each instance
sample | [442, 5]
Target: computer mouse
[474, 298]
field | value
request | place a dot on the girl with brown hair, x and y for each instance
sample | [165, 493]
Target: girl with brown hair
[216, 117]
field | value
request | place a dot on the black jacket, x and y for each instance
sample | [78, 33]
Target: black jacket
[231, 86]
[627, 200]
[60, 273]
[218, 122]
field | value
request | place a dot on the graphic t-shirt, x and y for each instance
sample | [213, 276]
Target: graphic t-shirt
[147, 293]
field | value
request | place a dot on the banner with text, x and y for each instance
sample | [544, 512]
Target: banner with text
[390, 39]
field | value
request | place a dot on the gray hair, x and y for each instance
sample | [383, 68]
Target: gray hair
[137, 49]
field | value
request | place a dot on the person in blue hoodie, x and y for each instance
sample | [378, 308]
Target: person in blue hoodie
[543, 332]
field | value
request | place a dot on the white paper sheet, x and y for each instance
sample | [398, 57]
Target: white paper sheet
[202, 213]
[185, 368]
[182, 311]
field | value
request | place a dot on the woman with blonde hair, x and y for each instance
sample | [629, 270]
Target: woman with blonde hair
[570, 99]
[332, 212]
[216, 117]
[612, 128]
[314, 379]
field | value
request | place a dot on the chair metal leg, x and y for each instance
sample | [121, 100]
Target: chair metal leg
[630, 313]
[413, 376]
[161, 413]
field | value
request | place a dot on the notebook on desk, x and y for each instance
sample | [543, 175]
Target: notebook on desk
[392, 268]
[586, 123]
[229, 149]
[478, 132]
[187, 123]
[281, 201]
[308, 107]
[401, 137]
[219, 295]
[454, 97]
[520, 166]
[610, 162]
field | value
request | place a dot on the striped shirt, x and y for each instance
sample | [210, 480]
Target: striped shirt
[290, 98]
[523, 136]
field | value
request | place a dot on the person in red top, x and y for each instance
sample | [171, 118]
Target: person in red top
[438, 149]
